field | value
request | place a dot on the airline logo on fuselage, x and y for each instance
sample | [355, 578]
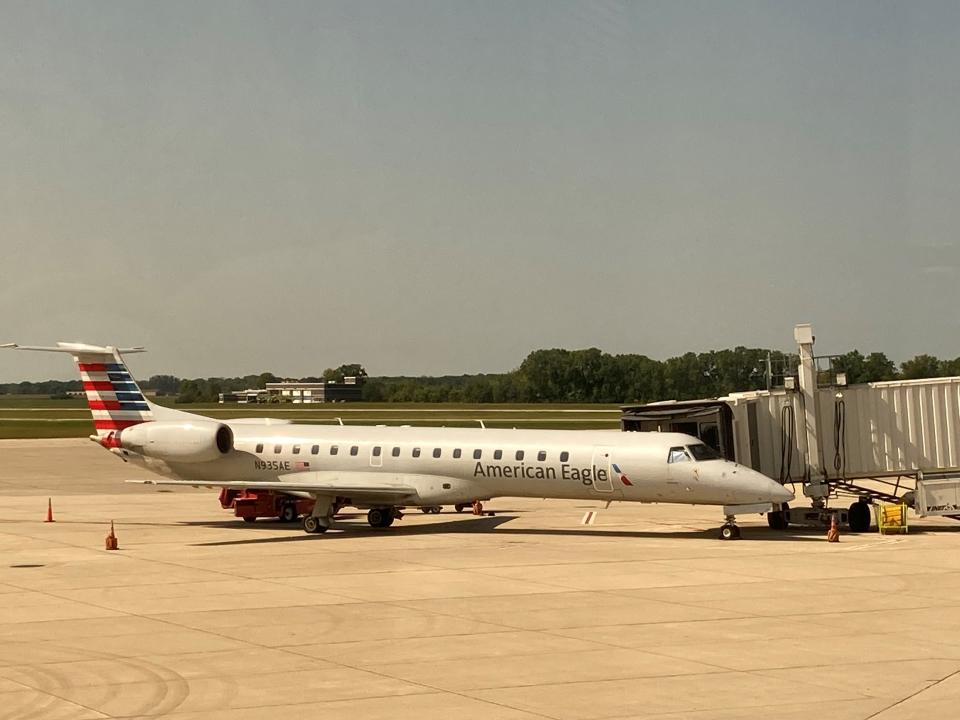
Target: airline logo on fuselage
[567, 472]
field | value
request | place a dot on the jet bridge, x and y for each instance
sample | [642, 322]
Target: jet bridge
[875, 442]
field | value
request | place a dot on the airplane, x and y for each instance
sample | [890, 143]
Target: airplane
[386, 469]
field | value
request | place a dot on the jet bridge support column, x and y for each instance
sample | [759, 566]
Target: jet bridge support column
[809, 440]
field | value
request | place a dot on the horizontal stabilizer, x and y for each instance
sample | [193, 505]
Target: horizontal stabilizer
[76, 348]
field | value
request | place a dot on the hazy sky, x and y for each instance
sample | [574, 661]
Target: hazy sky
[432, 187]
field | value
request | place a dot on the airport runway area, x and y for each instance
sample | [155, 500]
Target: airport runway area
[524, 615]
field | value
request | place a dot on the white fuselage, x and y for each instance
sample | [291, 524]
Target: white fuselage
[458, 465]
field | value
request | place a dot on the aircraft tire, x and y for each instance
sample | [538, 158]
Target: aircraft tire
[288, 513]
[859, 517]
[729, 532]
[380, 517]
[459, 507]
[313, 525]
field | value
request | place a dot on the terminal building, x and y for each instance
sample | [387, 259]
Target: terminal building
[299, 393]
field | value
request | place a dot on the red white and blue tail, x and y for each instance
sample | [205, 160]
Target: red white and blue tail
[114, 397]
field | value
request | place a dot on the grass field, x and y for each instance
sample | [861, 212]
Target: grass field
[36, 417]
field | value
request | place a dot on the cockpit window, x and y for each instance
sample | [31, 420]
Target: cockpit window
[703, 452]
[678, 454]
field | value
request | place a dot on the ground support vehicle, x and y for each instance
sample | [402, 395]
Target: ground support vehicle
[253, 504]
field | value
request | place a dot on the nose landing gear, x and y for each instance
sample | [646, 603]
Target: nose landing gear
[730, 530]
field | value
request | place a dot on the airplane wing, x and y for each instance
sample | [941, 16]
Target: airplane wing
[355, 485]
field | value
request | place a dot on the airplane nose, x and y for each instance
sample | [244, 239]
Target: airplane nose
[779, 493]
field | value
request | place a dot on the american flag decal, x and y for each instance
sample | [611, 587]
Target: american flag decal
[301, 466]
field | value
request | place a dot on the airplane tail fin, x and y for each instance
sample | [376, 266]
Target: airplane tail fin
[114, 398]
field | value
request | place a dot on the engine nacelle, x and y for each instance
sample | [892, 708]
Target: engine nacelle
[180, 441]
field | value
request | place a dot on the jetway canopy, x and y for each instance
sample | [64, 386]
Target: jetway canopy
[862, 431]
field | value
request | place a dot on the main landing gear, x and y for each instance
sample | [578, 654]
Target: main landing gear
[381, 517]
[313, 525]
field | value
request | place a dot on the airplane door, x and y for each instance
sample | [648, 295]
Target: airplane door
[376, 456]
[601, 470]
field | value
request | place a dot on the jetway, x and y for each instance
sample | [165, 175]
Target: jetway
[876, 441]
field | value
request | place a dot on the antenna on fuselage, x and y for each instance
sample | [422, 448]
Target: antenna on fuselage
[482, 426]
[339, 420]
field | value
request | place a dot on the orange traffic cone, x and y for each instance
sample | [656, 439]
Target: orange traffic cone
[49, 511]
[111, 539]
[833, 534]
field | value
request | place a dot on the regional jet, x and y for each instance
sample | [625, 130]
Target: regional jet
[385, 469]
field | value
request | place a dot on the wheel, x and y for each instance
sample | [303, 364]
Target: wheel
[859, 517]
[459, 507]
[288, 513]
[426, 510]
[380, 517]
[436, 509]
[250, 519]
[313, 525]
[778, 519]
[729, 532]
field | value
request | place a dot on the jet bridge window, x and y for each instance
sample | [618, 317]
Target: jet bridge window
[259, 447]
[497, 454]
[678, 454]
[354, 449]
[703, 452]
[436, 452]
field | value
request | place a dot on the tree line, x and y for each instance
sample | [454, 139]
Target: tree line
[557, 375]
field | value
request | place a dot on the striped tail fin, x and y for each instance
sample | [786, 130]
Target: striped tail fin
[114, 397]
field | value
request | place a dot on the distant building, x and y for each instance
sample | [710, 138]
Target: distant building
[299, 393]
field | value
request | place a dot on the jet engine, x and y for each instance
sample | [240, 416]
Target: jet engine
[181, 441]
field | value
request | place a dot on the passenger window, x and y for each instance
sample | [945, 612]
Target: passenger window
[296, 449]
[564, 456]
[677, 454]
[497, 454]
[259, 447]
[396, 452]
[519, 454]
[416, 452]
[376, 451]
[477, 454]
[315, 450]
[277, 448]
[542, 455]
[436, 452]
[334, 449]
[456, 453]
[354, 449]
